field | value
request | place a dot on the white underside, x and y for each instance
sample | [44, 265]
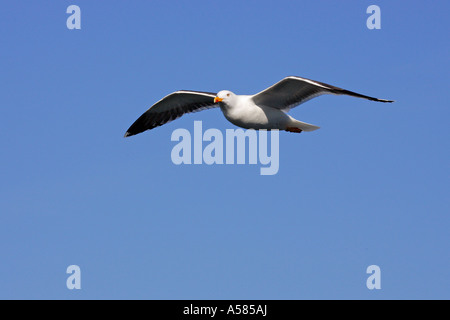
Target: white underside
[246, 114]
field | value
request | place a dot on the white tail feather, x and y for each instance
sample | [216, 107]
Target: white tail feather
[303, 125]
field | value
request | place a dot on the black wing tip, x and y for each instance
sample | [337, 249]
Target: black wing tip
[140, 125]
[133, 133]
[383, 100]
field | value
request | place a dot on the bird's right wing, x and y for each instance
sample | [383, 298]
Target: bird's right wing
[170, 108]
[292, 91]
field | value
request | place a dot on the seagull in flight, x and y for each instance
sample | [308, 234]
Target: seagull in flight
[264, 110]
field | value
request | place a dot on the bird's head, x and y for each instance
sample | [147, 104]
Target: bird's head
[225, 97]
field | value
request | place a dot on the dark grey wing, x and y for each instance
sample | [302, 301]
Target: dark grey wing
[170, 108]
[292, 91]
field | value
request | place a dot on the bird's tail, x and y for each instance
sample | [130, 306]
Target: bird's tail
[303, 126]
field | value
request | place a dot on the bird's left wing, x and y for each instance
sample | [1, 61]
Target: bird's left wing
[170, 108]
[292, 91]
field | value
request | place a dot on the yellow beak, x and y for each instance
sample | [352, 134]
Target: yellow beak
[217, 99]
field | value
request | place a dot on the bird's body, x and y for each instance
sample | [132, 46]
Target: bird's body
[244, 113]
[264, 110]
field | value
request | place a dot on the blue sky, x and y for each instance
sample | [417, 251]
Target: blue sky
[370, 187]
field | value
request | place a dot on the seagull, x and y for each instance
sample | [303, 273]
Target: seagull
[264, 110]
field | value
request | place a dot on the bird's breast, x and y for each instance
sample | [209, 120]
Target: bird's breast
[250, 116]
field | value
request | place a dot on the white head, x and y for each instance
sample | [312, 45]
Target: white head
[226, 97]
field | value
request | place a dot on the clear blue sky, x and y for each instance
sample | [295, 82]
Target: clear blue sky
[370, 187]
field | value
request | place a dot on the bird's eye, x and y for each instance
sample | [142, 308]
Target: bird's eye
[228, 94]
